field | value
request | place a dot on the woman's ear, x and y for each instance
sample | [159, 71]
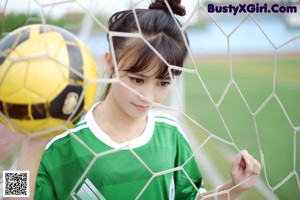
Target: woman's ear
[109, 64]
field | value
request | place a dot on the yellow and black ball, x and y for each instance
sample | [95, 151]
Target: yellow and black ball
[45, 79]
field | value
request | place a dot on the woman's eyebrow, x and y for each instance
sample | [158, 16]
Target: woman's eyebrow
[141, 75]
[167, 78]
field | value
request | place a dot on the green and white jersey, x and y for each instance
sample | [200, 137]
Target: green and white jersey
[84, 163]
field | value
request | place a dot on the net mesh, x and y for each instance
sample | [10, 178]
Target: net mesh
[239, 88]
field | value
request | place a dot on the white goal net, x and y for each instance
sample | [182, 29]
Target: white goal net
[239, 88]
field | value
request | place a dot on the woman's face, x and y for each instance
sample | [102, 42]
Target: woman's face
[148, 89]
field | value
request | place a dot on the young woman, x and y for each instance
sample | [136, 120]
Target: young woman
[124, 149]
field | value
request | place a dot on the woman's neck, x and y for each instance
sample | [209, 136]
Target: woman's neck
[118, 125]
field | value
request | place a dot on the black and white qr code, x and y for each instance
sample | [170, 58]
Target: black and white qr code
[15, 183]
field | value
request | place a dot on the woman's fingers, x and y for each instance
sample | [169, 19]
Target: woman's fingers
[244, 165]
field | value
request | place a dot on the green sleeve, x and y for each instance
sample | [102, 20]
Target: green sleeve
[43, 188]
[188, 180]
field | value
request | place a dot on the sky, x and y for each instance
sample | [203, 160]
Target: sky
[58, 8]
[100, 5]
[106, 7]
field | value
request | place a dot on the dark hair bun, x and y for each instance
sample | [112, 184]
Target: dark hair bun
[174, 4]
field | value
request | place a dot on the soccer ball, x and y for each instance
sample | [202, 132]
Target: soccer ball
[45, 74]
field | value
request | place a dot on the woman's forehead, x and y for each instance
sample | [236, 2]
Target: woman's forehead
[155, 67]
[149, 72]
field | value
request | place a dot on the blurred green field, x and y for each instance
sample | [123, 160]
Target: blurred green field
[259, 111]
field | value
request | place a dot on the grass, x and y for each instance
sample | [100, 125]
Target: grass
[257, 94]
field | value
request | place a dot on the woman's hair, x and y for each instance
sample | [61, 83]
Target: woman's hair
[159, 28]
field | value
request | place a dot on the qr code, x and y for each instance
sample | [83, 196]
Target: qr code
[15, 183]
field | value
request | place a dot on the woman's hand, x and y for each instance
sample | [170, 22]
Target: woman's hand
[245, 170]
[9, 142]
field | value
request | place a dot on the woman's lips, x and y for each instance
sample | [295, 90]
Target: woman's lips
[142, 107]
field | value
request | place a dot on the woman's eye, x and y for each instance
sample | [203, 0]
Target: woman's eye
[164, 83]
[136, 80]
